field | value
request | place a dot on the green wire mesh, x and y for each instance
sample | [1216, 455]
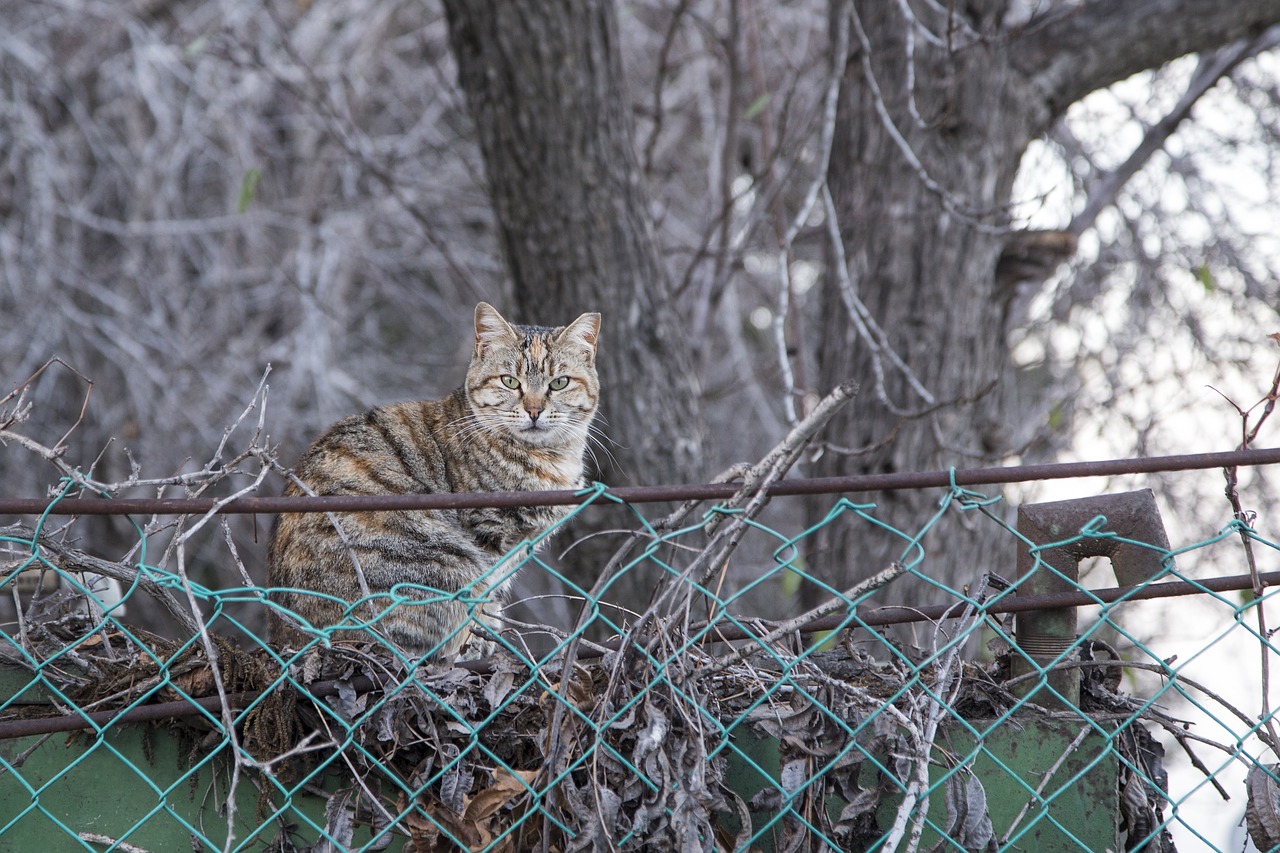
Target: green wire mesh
[686, 725]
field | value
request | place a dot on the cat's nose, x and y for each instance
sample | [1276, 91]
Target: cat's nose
[534, 412]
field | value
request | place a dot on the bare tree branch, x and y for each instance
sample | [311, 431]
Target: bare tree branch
[1076, 48]
[1212, 68]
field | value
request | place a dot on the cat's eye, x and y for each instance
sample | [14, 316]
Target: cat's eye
[510, 381]
[559, 383]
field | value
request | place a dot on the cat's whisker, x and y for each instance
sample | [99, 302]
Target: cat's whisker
[592, 438]
[474, 424]
[596, 428]
[595, 459]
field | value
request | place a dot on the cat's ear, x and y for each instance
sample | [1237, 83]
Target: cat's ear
[583, 331]
[491, 329]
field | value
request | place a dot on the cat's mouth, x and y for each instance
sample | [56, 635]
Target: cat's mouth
[539, 431]
[540, 425]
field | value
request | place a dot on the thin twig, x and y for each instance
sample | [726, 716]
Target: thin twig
[844, 599]
[1085, 731]
[1248, 434]
[113, 843]
[1211, 68]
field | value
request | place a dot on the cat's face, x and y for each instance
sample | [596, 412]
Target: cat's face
[537, 384]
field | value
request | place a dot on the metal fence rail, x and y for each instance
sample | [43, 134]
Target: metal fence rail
[688, 725]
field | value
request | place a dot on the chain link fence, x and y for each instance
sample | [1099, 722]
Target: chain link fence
[1022, 711]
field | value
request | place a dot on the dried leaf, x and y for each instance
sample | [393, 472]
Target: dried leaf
[794, 775]
[968, 821]
[1262, 814]
[454, 787]
[348, 703]
[581, 695]
[506, 787]
[437, 828]
[1135, 807]
[339, 824]
[655, 732]
[607, 806]
[864, 801]
[384, 721]
[626, 721]
[197, 682]
[498, 688]
[312, 664]
[767, 800]
[739, 841]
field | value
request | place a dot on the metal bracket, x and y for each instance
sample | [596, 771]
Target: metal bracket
[1127, 519]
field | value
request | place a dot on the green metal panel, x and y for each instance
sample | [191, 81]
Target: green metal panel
[76, 787]
[1076, 809]
[149, 786]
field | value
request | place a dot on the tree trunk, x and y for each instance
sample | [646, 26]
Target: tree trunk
[545, 88]
[922, 241]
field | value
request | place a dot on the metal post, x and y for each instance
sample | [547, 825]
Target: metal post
[1044, 636]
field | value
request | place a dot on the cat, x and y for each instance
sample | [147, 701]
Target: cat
[519, 422]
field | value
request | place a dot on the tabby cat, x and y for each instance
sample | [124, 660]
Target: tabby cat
[519, 422]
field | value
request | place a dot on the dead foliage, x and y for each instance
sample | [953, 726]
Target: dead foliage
[641, 748]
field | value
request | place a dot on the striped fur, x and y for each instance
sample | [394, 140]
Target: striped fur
[426, 574]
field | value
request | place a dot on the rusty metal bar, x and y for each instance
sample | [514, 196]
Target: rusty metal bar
[895, 614]
[646, 494]
[158, 711]
[102, 719]
[889, 615]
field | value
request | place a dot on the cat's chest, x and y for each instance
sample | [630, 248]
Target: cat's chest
[562, 473]
[540, 469]
[500, 529]
[528, 522]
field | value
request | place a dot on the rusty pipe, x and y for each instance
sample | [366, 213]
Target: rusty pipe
[998, 475]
